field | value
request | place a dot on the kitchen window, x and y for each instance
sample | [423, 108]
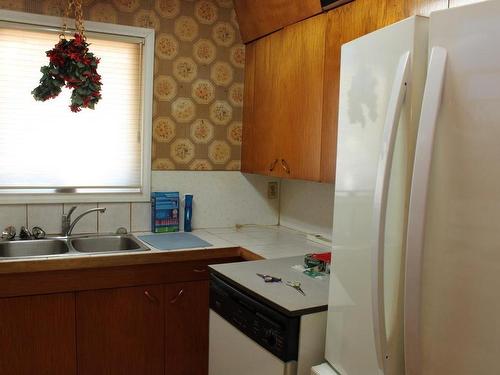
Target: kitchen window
[50, 154]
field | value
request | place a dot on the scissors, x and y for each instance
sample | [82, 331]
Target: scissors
[296, 285]
[269, 278]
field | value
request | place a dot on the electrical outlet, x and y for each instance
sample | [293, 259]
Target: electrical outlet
[272, 190]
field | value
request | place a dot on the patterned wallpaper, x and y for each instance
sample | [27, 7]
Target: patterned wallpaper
[198, 82]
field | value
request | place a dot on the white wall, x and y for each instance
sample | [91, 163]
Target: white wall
[221, 199]
[307, 206]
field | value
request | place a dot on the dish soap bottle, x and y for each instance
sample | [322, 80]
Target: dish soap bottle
[188, 212]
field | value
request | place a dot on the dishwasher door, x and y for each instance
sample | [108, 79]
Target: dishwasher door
[233, 353]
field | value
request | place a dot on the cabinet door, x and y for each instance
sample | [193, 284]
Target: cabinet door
[268, 106]
[302, 68]
[120, 331]
[37, 335]
[186, 328]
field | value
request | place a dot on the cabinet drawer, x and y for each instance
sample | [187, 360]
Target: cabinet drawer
[46, 282]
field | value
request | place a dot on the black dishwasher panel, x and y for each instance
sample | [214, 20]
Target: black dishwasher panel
[269, 328]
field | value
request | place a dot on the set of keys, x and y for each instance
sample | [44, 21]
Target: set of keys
[272, 279]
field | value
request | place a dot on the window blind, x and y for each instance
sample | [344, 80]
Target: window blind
[45, 145]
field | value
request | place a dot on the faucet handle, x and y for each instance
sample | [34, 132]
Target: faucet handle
[121, 231]
[38, 233]
[24, 233]
[9, 233]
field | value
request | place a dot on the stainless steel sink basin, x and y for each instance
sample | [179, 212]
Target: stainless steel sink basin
[70, 246]
[30, 248]
[102, 244]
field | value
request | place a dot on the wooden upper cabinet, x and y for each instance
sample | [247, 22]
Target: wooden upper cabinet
[186, 328]
[292, 87]
[302, 80]
[121, 331]
[424, 7]
[264, 136]
[257, 18]
[37, 335]
[283, 108]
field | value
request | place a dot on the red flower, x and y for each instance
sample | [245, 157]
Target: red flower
[65, 66]
[75, 108]
[78, 41]
[55, 58]
[75, 56]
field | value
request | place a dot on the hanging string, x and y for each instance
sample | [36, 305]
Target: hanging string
[76, 6]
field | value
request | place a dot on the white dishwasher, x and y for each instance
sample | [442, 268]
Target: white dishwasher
[248, 337]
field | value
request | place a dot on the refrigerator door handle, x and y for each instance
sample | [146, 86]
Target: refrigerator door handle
[393, 115]
[418, 200]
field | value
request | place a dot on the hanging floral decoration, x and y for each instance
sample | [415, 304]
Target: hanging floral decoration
[71, 65]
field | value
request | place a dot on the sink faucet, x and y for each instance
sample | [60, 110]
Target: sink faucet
[66, 221]
[68, 226]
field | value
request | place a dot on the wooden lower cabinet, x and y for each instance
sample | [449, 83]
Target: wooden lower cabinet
[146, 330]
[37, 335]
[146, 319]
[186, 328]
[121, 331]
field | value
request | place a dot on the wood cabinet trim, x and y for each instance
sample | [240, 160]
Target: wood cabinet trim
[258, 18]
[147, 257]
[48, 282]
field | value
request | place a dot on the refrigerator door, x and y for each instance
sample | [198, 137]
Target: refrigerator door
[368, 229]
[454, 326]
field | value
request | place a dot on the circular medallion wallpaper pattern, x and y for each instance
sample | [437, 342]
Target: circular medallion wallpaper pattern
[202, 131]
[198, 75]
[204, 51]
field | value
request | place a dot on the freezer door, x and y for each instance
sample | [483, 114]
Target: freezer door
[366, 289]
[454, 320]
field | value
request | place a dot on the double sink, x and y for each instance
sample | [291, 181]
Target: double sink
[70, 246]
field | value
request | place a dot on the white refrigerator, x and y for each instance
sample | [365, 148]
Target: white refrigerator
[416, 232]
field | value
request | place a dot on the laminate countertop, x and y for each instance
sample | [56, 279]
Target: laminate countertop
[250, 242]
[279, 295]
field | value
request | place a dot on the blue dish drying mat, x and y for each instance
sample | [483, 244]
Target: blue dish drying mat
[174, 241]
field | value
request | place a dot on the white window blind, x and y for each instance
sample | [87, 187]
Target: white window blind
[43, 145]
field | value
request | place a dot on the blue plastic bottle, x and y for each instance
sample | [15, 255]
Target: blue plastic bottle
[188, 212]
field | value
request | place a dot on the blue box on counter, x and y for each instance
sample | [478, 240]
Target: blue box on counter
[164, 212]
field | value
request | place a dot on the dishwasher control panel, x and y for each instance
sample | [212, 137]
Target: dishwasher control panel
[271, 329]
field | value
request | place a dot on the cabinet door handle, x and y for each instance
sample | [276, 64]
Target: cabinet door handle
[199, 270]
[272, 165]
[285, 166]
[174, 300]
[150, 296]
